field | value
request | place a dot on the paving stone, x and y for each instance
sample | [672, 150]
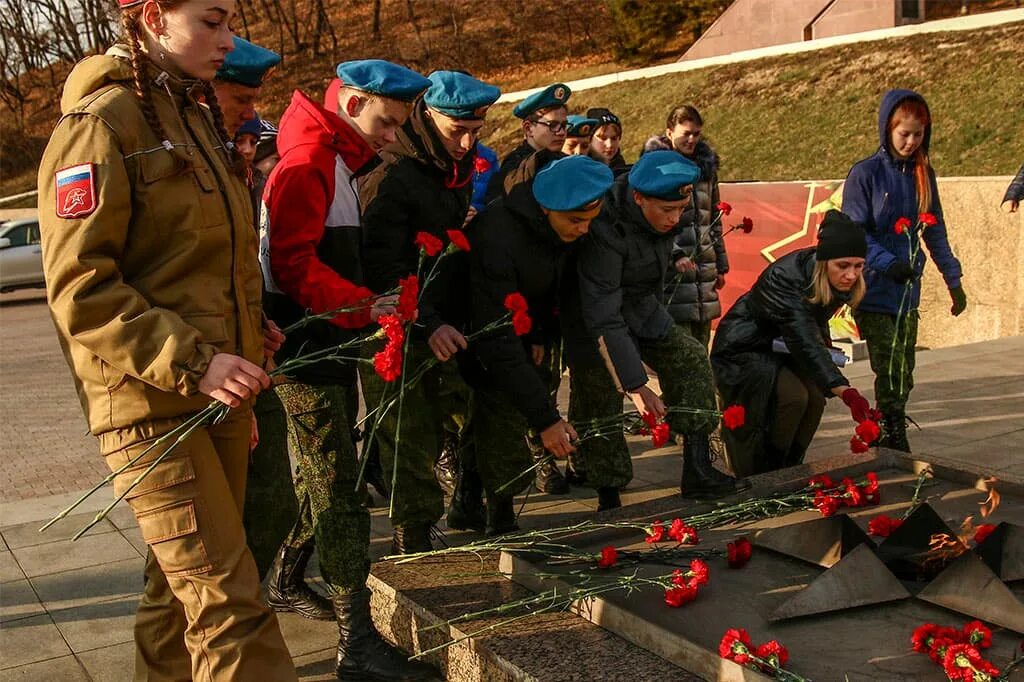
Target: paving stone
[30, 640]
[67, 555]
[123, 517]
[134, 536]
[18, 600]
[110, 664]
[9, 569]
[92, 584]
[63, 669]
[94, 626]
[304, 636]
[28, 535]
[317, 666]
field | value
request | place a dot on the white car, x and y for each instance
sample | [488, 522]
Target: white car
[21, 255]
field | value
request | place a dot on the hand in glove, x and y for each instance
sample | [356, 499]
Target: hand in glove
[860, 409]
[959, 300]
[901, 272]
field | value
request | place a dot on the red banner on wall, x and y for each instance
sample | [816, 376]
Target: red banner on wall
[786, 217]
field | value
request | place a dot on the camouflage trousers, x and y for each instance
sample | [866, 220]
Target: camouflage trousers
[698, 330]
[502, 438]
[891, 351]
[439, 402]
[270, 506]
[330, 507]
[605, 459]
[684, 373]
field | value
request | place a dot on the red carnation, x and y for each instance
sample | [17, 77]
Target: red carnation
[773, 652]
[429, 244]
[481, 165]
[982, 532]
[739, 552]
[964, 662]
[680, 594]
[724, 207]
[408, 297]
[458, 238]
[388, 363]
[515, 303]
[521, 323]
[734, 417]
[853, 496]
[826, 504]
[882, 526]
[660, 434]
[872, 483]
[656, 533]
[868, 431]
[747, 226]
[608, 557]
[940, 643]
[820, 481]
[682, 533]
[923, 637]
[698, 572]
[978, 634]
[901, 226]
[928, 219]
[735, 646]
[857, 446]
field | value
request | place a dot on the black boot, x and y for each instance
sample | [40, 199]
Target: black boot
[550, 479]
[445, 468]
[362, 653]
[700, 479]
[287, 589]
[466, 511]
[412, 538]
[501, 515]
[608, 498]
[895, 436]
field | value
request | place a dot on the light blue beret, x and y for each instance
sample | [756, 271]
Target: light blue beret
[555, 95]
[459, 95]
[662, 174]
[581, 126]
[379, 77]
[571, 183]
[247, 64]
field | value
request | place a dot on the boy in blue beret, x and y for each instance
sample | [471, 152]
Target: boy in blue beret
[577, 135]
[239, 80]
[310, 243]
[622, 270]
[545, 118]
[426, 185]
[520, 246]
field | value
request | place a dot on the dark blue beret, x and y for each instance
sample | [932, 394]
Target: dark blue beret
[555, 95]
[379, 77]
[247, 64]
[662, 174]
[581, 126]
[571, 183]
[253, 126]
[459, 95]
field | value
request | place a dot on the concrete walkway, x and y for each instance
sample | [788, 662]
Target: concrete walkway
[66, 609]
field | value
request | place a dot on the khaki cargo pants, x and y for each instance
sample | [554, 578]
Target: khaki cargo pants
[202, 616]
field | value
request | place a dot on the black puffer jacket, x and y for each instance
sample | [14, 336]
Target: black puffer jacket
[622, 265]
[1015, 192]
[692, 294]
[418, 188]
[514, 249]
[744, 364]
[515, 157]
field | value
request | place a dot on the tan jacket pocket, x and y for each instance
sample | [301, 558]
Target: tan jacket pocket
[212, 326]
[172, 532]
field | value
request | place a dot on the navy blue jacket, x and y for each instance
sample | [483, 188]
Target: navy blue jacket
[879, 191]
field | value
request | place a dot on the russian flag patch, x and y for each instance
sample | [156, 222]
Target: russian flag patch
[76, 191]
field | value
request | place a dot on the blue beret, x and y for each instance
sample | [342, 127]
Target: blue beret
[581, 126]
[379, 77]
[661, 174]
[555, 95]
[571, 183]
[247, 64]
[459, 95]
[253, 126]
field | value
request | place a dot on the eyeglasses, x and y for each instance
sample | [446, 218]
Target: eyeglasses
[554, 126]
[691, 133]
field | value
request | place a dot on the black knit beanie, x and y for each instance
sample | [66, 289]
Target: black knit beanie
[840, 237]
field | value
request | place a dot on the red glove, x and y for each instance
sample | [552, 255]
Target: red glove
[860, 409]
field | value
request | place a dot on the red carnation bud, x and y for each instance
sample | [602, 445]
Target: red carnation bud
[747, 225]
[734, 417]
[428, 243]
[608, 557]
[458, 238]
[724, 207]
